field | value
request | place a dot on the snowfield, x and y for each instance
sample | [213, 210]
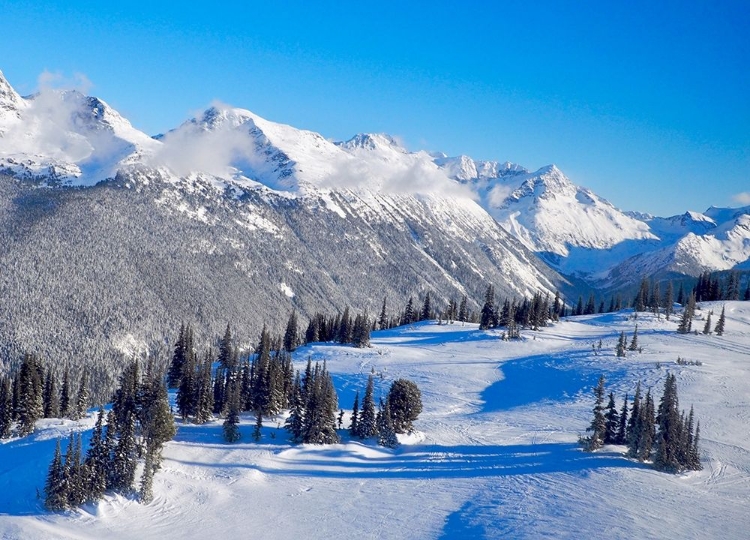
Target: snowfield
[495, 454]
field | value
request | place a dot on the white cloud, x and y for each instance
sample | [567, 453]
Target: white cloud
[742, 198]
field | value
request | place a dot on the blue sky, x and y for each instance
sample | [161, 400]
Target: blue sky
[646, 103]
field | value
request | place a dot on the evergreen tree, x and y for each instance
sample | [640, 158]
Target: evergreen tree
[720, 323]
[65, 410]
[590, 308]
[227, 357]
[6, 407]
[579, 306]
[291, 335]
[366, 423]
[669, 434]
[56, 497]
[30, 405]
[404, 405]
[647, 430]
[232, 421]
[178, 359]
[620, 349]
[598, 423]
[463, 314]
[361, 332]
[51, 398]
[634, 341]
[686, 323]
[205, 399]
[82, 398]
[746, 296]
[383, 319]
[257, 431]
[635, 423]
[295, 422]
[622, 428]
[707, 326]
[408, 316]
[97, 459]
[387, 434]
[426, 313]
[354, 424]
[125, 456]
[612, 421]
[146, 491]
[489, 316]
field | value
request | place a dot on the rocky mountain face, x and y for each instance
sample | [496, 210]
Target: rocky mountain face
[580, 234]
[109, 241]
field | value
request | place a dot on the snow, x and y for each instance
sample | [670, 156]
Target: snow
[495, 454]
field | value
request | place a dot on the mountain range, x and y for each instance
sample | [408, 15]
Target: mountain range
[110, 233]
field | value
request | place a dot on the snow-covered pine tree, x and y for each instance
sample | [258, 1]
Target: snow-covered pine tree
[647, 430]
[669, 434]
[125, 456]
[178, 359]
[463, 313]
[6, 407]
[426, 312]
[707, 326]
[488, 318]
[65, 398]
[635, 423]
[205, 400]
[30, 404]
[231, 424]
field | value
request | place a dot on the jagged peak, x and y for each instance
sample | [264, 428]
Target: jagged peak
[373, 141]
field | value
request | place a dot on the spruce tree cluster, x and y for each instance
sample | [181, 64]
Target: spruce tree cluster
[31, 392]
[531, 313]
[342, 328]
[314, 404]
[666, 435]
[395, 414]
[137, 426]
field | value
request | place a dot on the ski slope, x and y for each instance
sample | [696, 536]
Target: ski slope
[495, 454]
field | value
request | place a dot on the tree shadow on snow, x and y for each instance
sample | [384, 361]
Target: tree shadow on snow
[432, 462]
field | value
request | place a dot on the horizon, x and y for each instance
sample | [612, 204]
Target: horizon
[646, 106]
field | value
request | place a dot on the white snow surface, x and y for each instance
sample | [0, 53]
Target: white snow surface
[495, 454]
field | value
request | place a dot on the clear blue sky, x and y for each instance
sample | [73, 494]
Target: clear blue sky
[646, 103]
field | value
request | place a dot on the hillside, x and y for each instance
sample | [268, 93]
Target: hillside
[495, 454]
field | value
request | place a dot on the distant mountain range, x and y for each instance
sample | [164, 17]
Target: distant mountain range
[108, 232]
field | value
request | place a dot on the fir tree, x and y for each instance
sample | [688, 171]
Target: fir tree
[707, 326]
[146, 491]
[720, 323]
[647, 430]
[387, 434]
[257, 431]
[366, 423]
[635, 423]
[620, 349]
[65, 410]
[291, 335]
[622, 429]
[669, 434]
[205, 400]
[125, 456]
[354, 423]
[56, 497]
[97, 459]
[634, 342]
[51, 398]
[598, 423]
[178, 359]
[612, 421]
[463, 313]
[426, 313]
[232, 421]
[746, 296]
[295, 421]
[227, 356]
[669, 300]
[383, 319]
[489, 316]
[30, 405]
[404, 405]
[82, 398]
[408, 316]
[6, 407]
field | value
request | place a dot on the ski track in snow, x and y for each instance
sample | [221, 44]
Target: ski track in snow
[495, 455]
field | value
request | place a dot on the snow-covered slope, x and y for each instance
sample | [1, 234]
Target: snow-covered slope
[494, 456]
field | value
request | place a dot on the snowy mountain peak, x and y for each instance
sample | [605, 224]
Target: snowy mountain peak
[373, 141]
